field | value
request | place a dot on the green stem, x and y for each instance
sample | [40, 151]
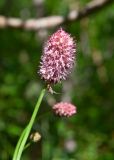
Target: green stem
[18, 144]
[27, 145]
[29, 126]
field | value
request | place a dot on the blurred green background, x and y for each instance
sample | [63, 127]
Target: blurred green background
[89, 135]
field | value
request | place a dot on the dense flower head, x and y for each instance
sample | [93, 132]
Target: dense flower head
[64, 109]
[58, 57]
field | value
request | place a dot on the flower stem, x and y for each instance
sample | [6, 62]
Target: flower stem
[21, 143]
[27, 145]
[18, 144]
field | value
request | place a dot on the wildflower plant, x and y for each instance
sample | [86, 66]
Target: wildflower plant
[56, 64]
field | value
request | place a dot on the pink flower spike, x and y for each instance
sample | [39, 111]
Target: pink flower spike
[64, 109]
[58, 57]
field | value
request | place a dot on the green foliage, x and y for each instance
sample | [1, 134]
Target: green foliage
[90, 133]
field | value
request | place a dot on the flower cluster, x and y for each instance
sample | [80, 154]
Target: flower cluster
[56, 63]
[58, 57]
[64, 109]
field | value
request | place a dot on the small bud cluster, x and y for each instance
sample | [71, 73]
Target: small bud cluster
[35, 137]
[64, 109]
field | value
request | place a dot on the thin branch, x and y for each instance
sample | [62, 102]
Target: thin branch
[53, 21]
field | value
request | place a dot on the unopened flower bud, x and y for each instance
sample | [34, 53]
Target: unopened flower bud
[35, 137]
